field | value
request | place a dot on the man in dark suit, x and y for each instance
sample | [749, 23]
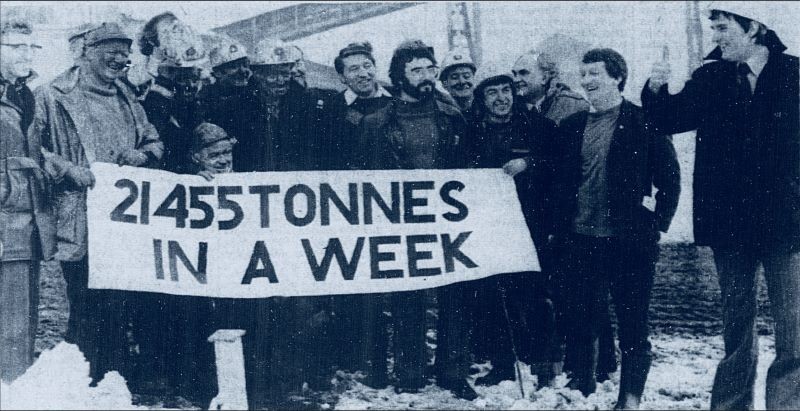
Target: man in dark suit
[744, 106]
[605, 237]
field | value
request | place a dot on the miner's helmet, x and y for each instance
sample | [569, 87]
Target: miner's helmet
[225, 51]
[747, 9]
[271, 52]
[184, 55]
[456, 58]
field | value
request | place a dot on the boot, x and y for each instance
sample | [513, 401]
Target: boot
[496, 376]
[459, 388]
[633, 376]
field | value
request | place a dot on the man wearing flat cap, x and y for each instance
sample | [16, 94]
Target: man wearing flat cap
[85, 115]
[744, 106]
[26, 227]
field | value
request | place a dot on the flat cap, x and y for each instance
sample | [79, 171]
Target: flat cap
[106, 32]
[206, 134]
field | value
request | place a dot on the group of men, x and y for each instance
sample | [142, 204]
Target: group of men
[585, 169]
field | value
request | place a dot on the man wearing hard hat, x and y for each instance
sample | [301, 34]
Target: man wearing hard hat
[744, 106]
[458, 78]
[232, 101]
[172, 107]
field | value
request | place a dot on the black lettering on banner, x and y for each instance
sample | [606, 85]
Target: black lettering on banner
[334, 249]
[227, 204]
[376, 257]
[327, 195]
[175, 252]
[311, 202]
[263, 193]
[179, 213]
[159, 259]
[260, 255]
[196, 203]
[414, 256]
[144, 205]
[118, 213]
[409, 202]
[371, 194]
[444, 192]
[452, 252]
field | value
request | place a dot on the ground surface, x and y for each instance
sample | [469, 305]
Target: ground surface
[685, 319]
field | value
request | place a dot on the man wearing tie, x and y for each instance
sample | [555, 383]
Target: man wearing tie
[744, 107]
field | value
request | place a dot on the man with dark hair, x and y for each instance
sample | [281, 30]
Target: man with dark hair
[744, 106]
[457, 77]
[419, 131]
[355, 326]
[605, 237]
[88, 114]
[26, 222]
[516, 140]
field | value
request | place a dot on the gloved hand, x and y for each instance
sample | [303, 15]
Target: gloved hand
[132, 157]
[81, 176]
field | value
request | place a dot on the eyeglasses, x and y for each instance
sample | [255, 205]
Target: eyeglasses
[23, 46]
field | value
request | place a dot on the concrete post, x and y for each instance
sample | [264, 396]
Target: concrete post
[231, 394]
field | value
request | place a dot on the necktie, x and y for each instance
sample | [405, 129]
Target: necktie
[743, 71]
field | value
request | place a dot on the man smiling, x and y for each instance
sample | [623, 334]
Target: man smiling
[86, 115]
[605, 237]
[744, 106]
[458, 78]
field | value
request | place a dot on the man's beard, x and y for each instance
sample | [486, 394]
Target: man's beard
[417, 92]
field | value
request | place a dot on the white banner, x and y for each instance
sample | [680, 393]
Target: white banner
[249, 235]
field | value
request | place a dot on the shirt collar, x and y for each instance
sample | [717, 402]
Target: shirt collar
[757, 63]
[350, 96]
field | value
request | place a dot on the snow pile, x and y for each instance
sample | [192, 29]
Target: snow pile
[680, 378]
[59, 379]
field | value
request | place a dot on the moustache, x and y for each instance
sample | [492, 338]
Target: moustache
[425, 83]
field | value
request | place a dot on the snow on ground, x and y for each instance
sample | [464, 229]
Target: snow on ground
[59, 379]
[681, 377]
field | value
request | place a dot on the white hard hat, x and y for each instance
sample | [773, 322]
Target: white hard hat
[226, 50]
[752, 10]
[272, 52]
[457, 57]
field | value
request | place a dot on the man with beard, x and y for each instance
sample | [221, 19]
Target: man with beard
[419, 131]
[536, 78]
[85, 115]
[606, 237]
[26, 224]
[457, 77]
[506, 137]
[232, 101]
[744, 106]
[174, 356]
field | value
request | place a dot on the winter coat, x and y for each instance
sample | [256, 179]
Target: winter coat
[65, 125]
[747, 159]
[561, 102]
[175, 122]
[27, 229]
[531, 137]
[638, 159]
[341, 128]
[381, 140]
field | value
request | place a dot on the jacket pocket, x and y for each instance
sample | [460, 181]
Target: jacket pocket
[14, 190]
[69, 214]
